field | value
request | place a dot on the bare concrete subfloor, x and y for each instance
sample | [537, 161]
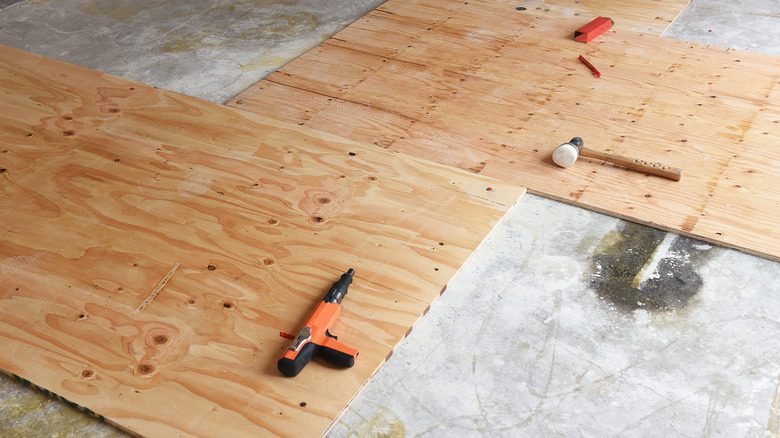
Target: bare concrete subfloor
[206, 48]
[565, 322]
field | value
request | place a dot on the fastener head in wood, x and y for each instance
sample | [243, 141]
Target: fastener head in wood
[566, 154]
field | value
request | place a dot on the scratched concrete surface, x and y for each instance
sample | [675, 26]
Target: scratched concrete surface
[211, 49]
[739, 24]
[6, 3]
[28, 413]
[565, 322]
[528, 341]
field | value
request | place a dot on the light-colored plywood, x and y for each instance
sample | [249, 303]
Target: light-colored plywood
[638, 15]
[107, 184]
[496, 93]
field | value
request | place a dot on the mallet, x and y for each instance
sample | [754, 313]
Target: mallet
[566, 154]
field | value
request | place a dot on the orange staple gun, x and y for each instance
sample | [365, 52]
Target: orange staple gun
[314, 338]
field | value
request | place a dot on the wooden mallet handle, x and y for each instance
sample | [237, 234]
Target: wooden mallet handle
[633, 164]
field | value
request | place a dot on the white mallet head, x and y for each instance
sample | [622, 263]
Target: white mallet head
[566, 154]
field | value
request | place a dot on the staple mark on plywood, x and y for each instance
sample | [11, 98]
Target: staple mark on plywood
[156, 290]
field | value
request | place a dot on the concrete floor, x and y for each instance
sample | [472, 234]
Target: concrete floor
[211, 49]
[605, 328]
[539, 335]
[738, 24]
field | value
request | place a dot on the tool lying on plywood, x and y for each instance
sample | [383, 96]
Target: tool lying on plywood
[590, 66]
[314, 339]
[593, 29]
[566, 155]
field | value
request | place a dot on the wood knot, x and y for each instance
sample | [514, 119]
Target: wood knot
[317, 219]
[144, 368]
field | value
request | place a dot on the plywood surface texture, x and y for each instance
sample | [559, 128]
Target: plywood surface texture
[639, 15]
[493, 90]
[106, 184]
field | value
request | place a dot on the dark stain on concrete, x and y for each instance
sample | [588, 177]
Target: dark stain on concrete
[6, 3]
[622, 264]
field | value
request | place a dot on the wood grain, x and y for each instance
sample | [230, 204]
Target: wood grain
[482, 87]
[637, 15]
[107, 183]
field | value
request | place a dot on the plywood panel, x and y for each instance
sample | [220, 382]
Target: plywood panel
[637, 15]
[496, 93]
[106, 184]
